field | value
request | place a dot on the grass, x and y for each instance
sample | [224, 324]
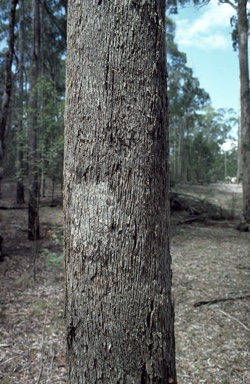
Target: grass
[54, 258]
[5, 380]
[38, 308]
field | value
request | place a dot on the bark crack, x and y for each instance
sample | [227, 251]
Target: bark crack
[144, 374]
[135, 237]
[71, 335]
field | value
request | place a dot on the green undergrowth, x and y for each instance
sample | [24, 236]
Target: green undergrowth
[53, 254]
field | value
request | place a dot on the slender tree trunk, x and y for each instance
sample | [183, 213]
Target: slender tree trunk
[20, 186]
[33, 206]
[4, 111]
[187, 151]
[239, 159]
[174, 161]
[245, 105]
[119, 311]
[239, 154]
[180, 152]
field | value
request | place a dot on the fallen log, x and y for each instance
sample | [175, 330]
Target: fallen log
[219, 300]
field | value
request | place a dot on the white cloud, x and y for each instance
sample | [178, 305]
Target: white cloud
[210, 29]
[228, 146]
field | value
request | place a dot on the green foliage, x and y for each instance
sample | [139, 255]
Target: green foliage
[50, 89]
[5, 380]
[50, 128]
[202, 158]
[173, 5]
[38, 308]
[54, 258]
[196, 130]
[235, 33]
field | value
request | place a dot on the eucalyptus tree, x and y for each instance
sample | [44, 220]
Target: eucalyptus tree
[243, 30]
[212, 129]
[36, 61]
[53, 43]
[119, 310]
[240, 35]
[46, 62]
[240, 41]
[196, 128]
[33, 203]
[51, 91]
[7, 89]
[50, 127]
[186, 98]
[20, 154]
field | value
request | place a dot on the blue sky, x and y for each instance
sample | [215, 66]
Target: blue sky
[205, 36]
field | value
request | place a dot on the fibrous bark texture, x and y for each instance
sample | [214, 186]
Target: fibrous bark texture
[119, 311]
[244, 105]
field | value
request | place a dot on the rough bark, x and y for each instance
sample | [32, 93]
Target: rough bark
[119, 311]
[245, 105]
[4, 111]
[20, 186]
[33, 206]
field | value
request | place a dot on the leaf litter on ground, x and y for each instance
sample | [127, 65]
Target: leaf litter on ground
[209, 263]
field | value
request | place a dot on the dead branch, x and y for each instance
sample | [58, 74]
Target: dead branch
[199, 209]
[215, 301]
[233, 318]
[192, 219]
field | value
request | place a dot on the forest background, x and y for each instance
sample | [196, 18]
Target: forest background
[197, 135]
[198, 132]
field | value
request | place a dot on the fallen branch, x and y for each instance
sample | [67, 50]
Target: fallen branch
[205, 302]
[4, 208]
[192, 219]
[200, 208]
[233, 318]
[11, 358]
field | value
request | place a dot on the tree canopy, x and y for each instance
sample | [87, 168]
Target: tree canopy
[193, 122]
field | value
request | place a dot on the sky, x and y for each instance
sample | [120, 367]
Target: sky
[204, 34]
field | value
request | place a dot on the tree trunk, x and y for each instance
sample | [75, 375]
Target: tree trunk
[4, 111]
[180, 152]
[119, 311]
[245, 105]
[33, 206]
[239, 154]
[20, 165]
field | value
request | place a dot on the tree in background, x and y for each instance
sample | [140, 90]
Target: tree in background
[4, 111]
[20, 155]
[119, 311]
[33, 207]
[240, 41]
[188, 104]
[186, 98]
[197, 131]
[50, 134]
[34, 133]
[244, 104]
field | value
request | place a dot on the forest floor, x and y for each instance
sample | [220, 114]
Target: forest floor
[211, 284]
